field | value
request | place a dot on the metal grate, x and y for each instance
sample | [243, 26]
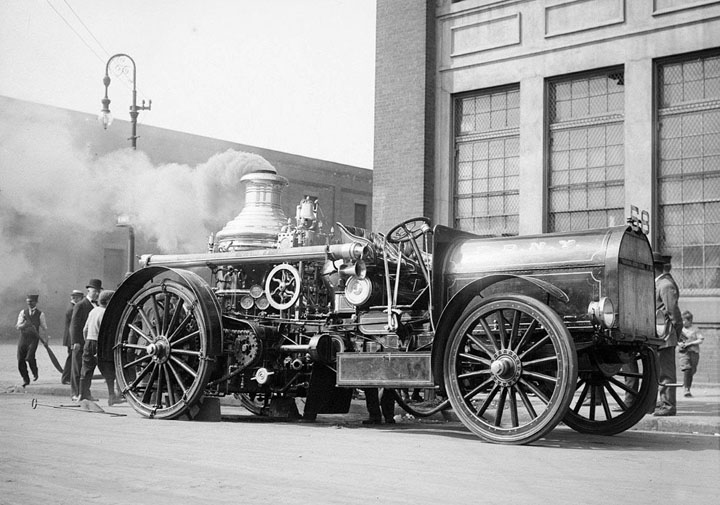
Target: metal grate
[587, 163]
[689, 170]
[487, 141]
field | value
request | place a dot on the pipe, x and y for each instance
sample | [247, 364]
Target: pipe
[349, 252]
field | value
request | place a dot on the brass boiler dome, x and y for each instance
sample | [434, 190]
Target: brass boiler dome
[261, 218]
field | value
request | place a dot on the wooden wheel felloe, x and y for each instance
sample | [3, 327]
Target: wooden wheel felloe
[612, 395]
[510, 369]
[161, 347]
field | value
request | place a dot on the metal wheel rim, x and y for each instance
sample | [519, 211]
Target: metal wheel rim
[518, 388]
[161, 356]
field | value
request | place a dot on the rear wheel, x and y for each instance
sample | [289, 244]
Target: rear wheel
[510, 369]
[161, 347]
[613, 392]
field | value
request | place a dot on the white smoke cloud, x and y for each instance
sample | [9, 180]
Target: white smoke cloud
[56, 199]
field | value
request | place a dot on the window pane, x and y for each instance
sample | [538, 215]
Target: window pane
[487, 170]
[588, 159]
[689, 156]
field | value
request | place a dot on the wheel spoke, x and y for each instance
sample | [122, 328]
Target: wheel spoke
[469, 396]
[186, 352]
[513, 407]
[139, 377]
[141, 333]
[146, 322]
[184, 366]
[184, 339]
[526, 402]
[158, 396]
[528, 333]
[170, 388]
[535, 347]
[147, 395]
[624, 386]
[515, 328]
[474, 373]
[500, 407]
[134, 346]
[581, 400]
[478, 343]
[616, 397]
[487, 401]
[166, 312]
[477, 359]
[540, 360]
[158, 326]
[593, 400]
[181, 326]
[489, 333]
[540, 376]
[176, 315]
[137, 361]
[535, 390]
[604, 401]
[501, 329]
[178, 379]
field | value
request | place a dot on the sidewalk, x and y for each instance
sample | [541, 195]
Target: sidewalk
[699, 414]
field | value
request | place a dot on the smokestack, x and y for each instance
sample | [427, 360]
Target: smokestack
[262, 217]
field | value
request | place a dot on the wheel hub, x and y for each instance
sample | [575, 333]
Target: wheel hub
[159, 350]
[506, 368]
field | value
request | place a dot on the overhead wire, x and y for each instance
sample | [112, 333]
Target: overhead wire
[127, 81]
[74, 30]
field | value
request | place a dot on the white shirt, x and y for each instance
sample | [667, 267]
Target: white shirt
[92, 325]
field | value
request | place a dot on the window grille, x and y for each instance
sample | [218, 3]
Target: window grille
[688, 182]
[487, 148]
[587, 161]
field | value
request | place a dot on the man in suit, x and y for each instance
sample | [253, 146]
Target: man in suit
[666, 299]
[29, 322]
[75, 297]
[80, 313]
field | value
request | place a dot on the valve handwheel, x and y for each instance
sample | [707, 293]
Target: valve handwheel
[409, 230]
[283, 286]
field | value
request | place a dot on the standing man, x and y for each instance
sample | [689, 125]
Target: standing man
[90, 361]
[667, 294]
[75, 297]
[29, 322]
[77, 324]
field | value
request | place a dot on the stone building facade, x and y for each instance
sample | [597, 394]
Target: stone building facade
[527, 116]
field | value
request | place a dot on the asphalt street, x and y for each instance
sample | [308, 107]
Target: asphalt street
[63, 455]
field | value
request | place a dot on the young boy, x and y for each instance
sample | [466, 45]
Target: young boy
[689, 350]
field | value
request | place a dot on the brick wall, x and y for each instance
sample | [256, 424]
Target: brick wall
[404, 76]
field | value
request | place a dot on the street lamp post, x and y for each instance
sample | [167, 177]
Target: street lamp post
[105, 116]
[123, 221]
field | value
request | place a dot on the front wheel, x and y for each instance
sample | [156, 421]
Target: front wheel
[612, 394]
[510, 369]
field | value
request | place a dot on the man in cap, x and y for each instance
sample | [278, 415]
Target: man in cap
[667, 294]
[29, 322]
[77, 323]
[75, 296]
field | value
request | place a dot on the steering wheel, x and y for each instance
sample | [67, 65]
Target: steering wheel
[409, 230]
